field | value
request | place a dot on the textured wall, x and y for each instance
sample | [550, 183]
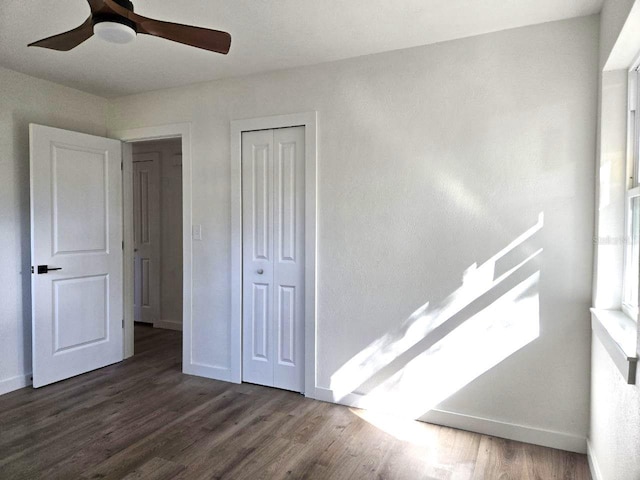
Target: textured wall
[614, 436]
[431, 160]
[25, 100]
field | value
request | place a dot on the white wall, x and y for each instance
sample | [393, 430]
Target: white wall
[25, 100]
[614, 434]
[612, 18]
[431, 160]
[170, 152]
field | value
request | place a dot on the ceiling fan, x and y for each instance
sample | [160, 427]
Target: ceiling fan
[115, 22]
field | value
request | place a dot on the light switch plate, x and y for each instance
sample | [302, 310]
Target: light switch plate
[197, 232]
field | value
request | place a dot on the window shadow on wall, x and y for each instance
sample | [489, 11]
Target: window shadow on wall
[441, 348]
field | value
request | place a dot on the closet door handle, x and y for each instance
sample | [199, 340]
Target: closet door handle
[260, 271]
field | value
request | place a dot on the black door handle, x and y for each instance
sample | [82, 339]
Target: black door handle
[46, 269]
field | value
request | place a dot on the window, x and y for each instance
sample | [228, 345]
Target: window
[614, 318]
[631, 279]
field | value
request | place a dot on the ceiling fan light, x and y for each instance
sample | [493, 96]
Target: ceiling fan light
[114, 32]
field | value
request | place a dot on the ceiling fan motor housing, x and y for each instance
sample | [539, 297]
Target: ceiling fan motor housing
[125, 4]
[117, 18]
[114, 27]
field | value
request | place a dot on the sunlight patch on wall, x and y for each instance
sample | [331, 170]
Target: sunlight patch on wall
[605, 185]
[477, 345]
[485, 288]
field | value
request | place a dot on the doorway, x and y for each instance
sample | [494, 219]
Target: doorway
[129, 138]
[157, 234]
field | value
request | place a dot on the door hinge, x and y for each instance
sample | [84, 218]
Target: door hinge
[32, 269]
[122, 166]
[123, 323]
[123, 244]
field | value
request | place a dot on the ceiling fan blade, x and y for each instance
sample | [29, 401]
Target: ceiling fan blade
[96, 6]
[205, 38]
[68, 40]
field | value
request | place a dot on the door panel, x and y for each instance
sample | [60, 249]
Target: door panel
[78, 299]
[76, 227]
[286, 184]
[146, 235]
[261, 201]
[273, 257]
[289, 263]
[79, 188]
[257, 172]
[286, 325]
[260, 319]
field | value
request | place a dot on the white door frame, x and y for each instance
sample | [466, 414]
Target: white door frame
[309, 121]
[176, 130]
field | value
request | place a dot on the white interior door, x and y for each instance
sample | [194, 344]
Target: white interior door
[146, 234]
[76, 253]
[273, 257]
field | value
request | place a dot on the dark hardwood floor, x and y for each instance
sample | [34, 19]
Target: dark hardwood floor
[143, 419]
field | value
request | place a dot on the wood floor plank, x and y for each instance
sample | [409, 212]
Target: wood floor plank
[155, 469]
[108, 442]
[501, 460]
[504, 460]
[143, 419]
[547, 463]
[166, 440]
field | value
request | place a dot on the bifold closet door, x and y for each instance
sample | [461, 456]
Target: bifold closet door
[273, 257]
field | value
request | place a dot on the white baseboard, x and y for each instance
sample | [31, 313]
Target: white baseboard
[208, 371]
[511, 431]
[14, 383]
[596, 473]
[168, 324]
[486, 426]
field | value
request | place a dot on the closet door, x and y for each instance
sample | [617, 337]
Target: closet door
[257, 261]
[273, 257]
[288, 226]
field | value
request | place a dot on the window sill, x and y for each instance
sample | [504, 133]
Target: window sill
[618, 334]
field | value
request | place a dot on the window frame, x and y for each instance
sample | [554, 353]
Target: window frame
[632, 187]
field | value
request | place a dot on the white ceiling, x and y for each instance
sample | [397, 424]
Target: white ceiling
[267, 35]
